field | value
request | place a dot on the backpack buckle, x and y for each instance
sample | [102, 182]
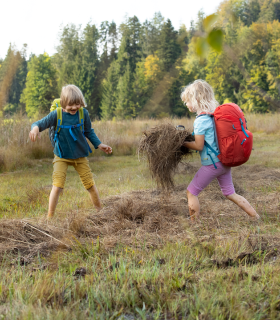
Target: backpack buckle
[75, 126]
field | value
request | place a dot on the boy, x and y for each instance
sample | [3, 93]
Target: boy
[71, 147]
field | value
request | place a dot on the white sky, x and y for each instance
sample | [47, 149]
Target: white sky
[37, 23]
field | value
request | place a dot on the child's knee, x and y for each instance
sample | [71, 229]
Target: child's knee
[88, 183]
[91, 189]
[87, 180]
[231, 196]
[56, 189]
[59, 177]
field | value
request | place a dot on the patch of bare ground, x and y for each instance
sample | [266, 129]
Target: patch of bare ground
[150, 218]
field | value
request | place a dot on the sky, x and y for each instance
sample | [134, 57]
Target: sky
[37, 23]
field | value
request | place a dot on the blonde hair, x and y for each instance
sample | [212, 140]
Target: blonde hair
[71, 95]
[201, 95]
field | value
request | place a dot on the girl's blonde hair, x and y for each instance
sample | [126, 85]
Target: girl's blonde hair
[201, 95]
[71, 95]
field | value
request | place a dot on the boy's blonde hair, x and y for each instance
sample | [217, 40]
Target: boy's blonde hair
[71, 95]
[201, 95]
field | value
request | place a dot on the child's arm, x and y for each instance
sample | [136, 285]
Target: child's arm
[105, 148]
[40, 125]
[34, 133]
[198, 144]
[91, 135]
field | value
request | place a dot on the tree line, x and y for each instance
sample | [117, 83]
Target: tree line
[139, 69]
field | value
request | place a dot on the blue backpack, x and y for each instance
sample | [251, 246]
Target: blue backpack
[54, 131]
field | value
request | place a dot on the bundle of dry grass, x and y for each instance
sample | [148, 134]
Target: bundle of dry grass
[137, 218]
[162, 147]
[21, 238]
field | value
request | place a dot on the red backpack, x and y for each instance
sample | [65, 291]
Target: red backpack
[235, 142]
[233, 139]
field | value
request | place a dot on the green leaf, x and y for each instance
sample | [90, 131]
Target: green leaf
[201, 47]
[209, 22]
[215, 39]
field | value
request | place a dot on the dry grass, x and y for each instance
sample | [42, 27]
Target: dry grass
[148, 217]
[16, 151]
[141, 257]
[162, 147]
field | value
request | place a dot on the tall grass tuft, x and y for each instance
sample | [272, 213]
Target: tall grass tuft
[17, 151]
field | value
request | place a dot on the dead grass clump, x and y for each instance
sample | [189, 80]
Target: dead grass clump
[21, 238]
[151, 218]
[162, 147]
[136, 218]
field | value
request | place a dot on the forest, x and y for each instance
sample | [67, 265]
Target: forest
[139, 69]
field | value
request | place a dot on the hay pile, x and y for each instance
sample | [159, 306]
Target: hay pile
[147, 218]
[162, 147]
[20, 238]
[137, 218]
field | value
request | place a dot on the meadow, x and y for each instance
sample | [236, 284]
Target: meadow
[140, 257]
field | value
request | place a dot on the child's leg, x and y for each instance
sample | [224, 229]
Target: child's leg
[84, 171]
[194, 207]
[200, 181]
[244, 205]
[94, 196]
[53, 200]
[227, 187]
[59, 176]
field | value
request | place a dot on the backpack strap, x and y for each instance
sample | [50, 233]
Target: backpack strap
[57, 129]
[81, 119]
[82, 122]
[207, 145]
[243, 130]
[59, 119]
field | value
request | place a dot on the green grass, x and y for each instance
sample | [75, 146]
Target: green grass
[189, 279]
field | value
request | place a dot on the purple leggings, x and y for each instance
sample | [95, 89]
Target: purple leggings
[208, 173]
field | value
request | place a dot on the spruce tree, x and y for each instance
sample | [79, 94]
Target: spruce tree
[86, 69]
[17, 86]
[124, 106]
[41, 85]
[68, 55]
[169, 49]
[109, 92]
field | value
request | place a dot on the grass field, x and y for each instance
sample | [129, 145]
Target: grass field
[141, 258]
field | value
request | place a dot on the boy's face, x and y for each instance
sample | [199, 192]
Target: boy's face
[72, 109]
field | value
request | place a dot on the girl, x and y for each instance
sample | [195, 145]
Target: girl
[71, 146]
[199, 98]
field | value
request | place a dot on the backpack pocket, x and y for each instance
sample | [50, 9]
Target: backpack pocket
[231, 150]
[246, 143]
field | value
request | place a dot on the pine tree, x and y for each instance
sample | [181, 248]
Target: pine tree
[109, 92]
[267, 12]
[169, 49]
[41, 85]
[125, 108]
[85, 72]
[177, 106]
[68, 55]
[252, 12]
[150, 36]
[17, 86]
[117, 87]
[130, 43]
[8, 74]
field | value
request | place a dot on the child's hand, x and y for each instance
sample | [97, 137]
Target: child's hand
[105, 148]
[34, 133]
